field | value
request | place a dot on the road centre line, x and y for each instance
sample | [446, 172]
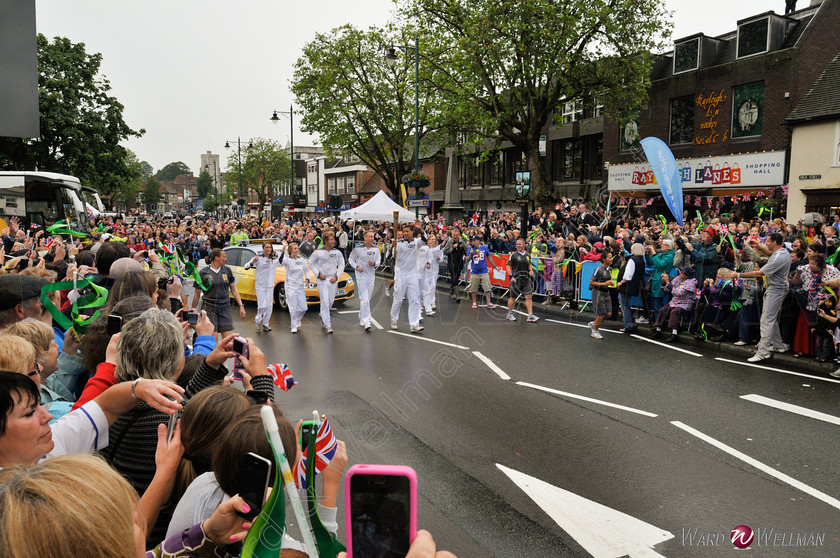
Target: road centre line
[491, 365]
[584, 398]
[831, 501]
[376, 324]
[743, 363]
[422, 338]
[666, 345]
[796, 409]
[580, 325]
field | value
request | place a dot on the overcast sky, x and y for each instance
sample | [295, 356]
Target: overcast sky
[196, 73]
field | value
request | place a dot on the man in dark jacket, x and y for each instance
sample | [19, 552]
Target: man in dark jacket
[630, 285]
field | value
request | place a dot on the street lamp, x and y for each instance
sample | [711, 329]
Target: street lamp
[239, 159]
[274, 120]
[391, 59]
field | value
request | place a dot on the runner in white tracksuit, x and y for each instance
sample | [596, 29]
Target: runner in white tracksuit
[422, 271]
[327, 264]
[365, 259]
[434, 257]
[295, 265]
[266, 266]
[405, 279]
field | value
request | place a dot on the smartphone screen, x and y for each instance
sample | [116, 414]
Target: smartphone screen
[114, 324]
[173, 420]
[254, 471]
[380, 515]
[240, 346]
[192, 318]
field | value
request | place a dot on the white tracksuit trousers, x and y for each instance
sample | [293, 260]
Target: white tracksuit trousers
[406, 287]
[327, 291]
[265, 305]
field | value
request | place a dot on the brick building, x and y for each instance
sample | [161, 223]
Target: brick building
[721, 104]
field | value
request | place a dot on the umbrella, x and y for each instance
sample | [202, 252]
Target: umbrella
[811, 219]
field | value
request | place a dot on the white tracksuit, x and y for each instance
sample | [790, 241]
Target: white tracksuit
[422, 271]
[434, 257]
[406, 282]
[264, 285]
[368, 259]
[295, 294]
[330, 264]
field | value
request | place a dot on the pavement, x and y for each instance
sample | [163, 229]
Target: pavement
[534, 440]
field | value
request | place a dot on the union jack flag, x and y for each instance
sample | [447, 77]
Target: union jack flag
[474, 220]
[34, 226]
[168, 248]
[325, 447]
[282, 376]
[49, 242]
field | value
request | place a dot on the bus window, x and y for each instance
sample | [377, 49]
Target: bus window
[41, 205]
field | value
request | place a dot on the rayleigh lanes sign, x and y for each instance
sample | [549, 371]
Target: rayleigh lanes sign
[739, 171]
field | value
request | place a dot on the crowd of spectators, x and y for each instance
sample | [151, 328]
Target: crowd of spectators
[89, 463]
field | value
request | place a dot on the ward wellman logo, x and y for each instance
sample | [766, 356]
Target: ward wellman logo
[742, 536]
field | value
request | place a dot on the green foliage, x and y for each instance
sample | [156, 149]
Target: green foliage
[124, 192]
[151, 192]
[172, 171]
[146, 169]
[506, 67]
[358, 105]
[204, 184]
[264, 168]
[81, 124]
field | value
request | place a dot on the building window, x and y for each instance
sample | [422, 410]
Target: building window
[753, 37]
[597, 159]
[331, 186]
[567, 159]
[682, 120]
[495, 168]
[598, 108]
[351, 184]
[747, 110]
[836, 162]
[686, 56]
[572, 111]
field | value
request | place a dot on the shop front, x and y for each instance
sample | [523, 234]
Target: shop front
[744, 184]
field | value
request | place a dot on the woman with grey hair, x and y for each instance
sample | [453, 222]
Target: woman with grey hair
[662, 262]
[151, 346]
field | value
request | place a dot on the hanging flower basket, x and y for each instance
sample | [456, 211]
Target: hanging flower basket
[416, 180]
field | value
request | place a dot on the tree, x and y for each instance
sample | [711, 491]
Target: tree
[151, 192]
[146, 169]
[81, 124]
[124, 191]
[173, 171]
[204, 184]
[511, 65]
[358, 105]
[264, 166]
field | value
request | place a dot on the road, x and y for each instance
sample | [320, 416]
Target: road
[535, 440]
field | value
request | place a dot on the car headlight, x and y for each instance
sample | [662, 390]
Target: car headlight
[310, 285]
[349, 280]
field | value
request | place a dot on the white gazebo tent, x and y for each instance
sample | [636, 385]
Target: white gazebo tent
[379, 208]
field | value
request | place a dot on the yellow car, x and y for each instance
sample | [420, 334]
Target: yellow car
[238, 256]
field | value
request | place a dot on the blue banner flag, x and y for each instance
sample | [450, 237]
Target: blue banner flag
[664, 168]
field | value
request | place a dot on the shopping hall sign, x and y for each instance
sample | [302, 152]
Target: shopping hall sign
[739, 171]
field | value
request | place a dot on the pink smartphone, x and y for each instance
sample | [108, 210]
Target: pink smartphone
[381, 510]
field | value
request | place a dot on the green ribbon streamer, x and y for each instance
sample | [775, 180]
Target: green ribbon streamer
[265, 537]
[832, 258]
[700, 223]
[63, 227]
[95, 299]
[664, 220]
[703, 332]
[328, 546]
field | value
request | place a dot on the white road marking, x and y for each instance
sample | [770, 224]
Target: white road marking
[584, 398]
[831, 501]
[600, 530]
[376, 324]
[422, 338]
[770, 368]
[804, 411]
[348, 312]
[602, 330]
[666, 345]
[492, 365]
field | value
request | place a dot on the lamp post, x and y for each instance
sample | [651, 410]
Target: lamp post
[391, 59]
[274, 120]
[239, 159]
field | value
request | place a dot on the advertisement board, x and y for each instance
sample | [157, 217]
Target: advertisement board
[724, 171]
